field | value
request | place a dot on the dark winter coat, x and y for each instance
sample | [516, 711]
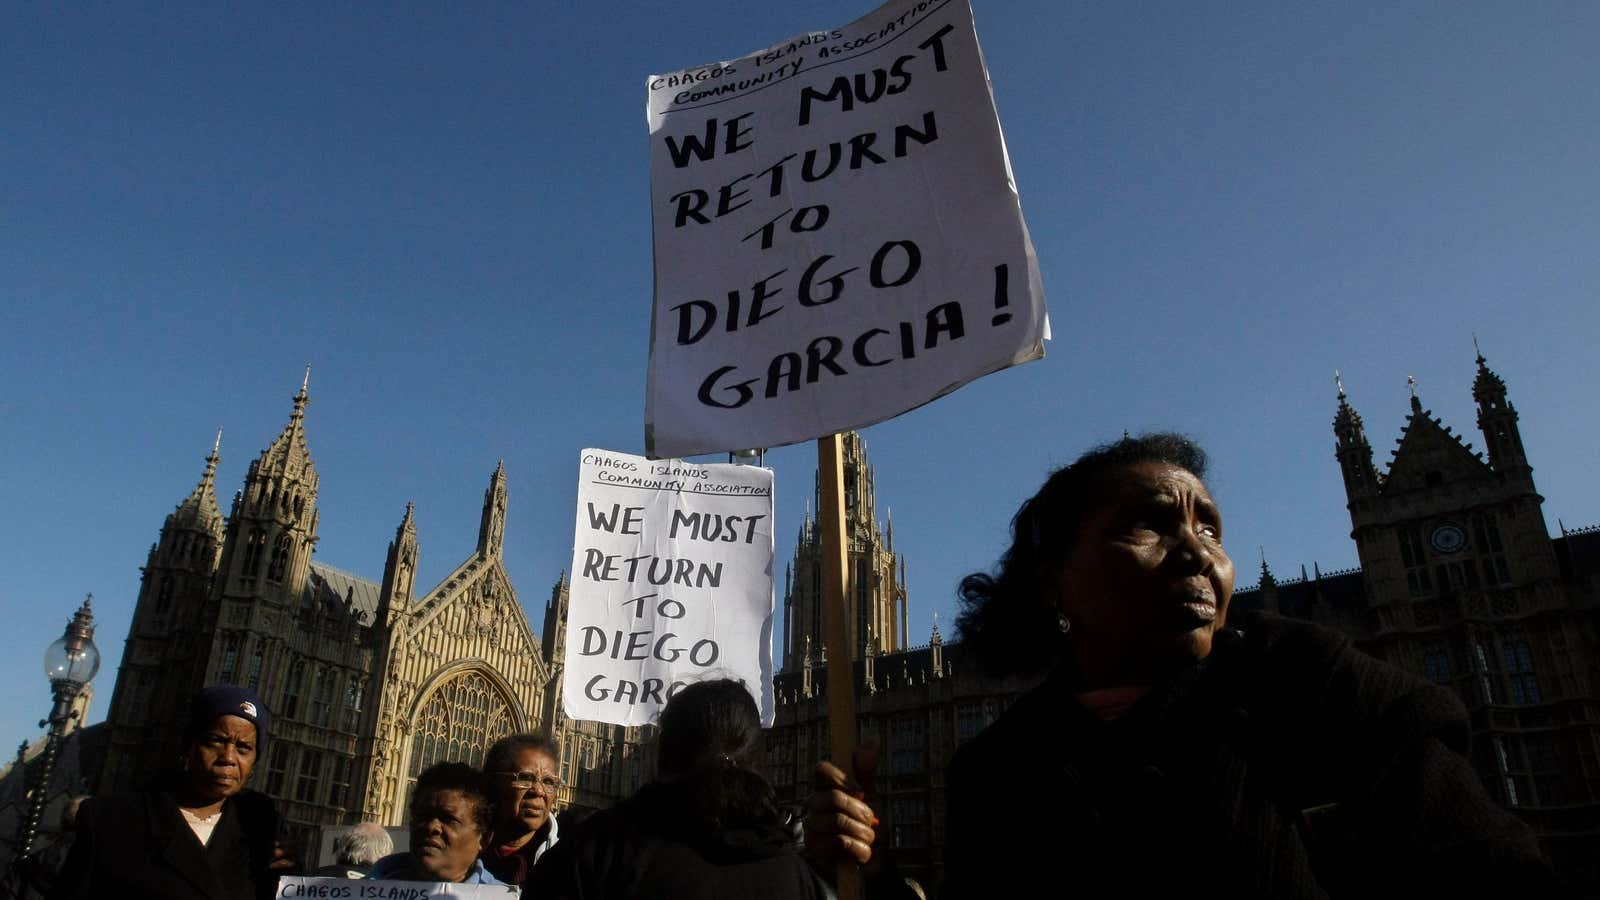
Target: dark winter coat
[138, 847]
[1287, 765]
[637, 850]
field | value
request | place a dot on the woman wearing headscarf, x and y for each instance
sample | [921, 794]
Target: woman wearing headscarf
[197, 834]
[707, 829]
[1175, 748]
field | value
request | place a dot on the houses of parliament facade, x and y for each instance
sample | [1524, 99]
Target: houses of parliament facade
[370, 681]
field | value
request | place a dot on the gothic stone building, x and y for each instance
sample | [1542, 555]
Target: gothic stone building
[877, 601]
[368, 682]
[1461, 583]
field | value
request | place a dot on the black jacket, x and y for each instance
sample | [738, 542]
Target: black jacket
[137, 846]
[636, 851]
[1287, 765]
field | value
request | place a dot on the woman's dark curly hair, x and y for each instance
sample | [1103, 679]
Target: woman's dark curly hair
[1003, 620]
[458, 776]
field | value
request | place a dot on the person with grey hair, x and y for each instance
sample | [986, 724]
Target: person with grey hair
[356, 850]
[524, 769]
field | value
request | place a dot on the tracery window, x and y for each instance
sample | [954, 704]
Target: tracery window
[310, 776]
[352, 704]
[322, 699]
[280, 559]
[339, 779]
[1518, 656]
[457, 724]
[252, 678]
[277, 768]
[292, 686]
[1415, 559]
[230, 659]
[253, 545]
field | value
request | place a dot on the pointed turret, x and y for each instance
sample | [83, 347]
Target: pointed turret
[1497, 419]
[875, 597]
[1353, 450]
[289, 454]
[1269, 586]
[492, 527]
[200, 509]
[273, 532]
[169, 638]
[399, 570]
[191, 538]
[555, 622]
[936, 649]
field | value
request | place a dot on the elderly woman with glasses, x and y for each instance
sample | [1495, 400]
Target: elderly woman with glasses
[523, 770]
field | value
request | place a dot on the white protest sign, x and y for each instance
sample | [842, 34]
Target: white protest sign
[301, 886]
[837, 234]
[671, 584]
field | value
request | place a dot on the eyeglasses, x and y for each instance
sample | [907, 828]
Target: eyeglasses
[530, 780]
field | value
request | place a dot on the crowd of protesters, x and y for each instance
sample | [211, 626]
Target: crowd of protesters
[1170, 748]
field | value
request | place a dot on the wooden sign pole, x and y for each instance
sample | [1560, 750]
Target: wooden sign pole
[836, 626]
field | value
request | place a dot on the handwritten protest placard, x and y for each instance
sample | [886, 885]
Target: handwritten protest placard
[671, 584]
[837, 234]
[306, 886]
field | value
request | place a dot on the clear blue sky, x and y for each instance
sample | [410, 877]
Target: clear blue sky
[443, 207]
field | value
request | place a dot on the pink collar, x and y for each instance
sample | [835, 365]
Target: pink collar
[1109, 703]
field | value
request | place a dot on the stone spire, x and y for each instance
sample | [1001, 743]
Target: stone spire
[289, 452]
[1497, 419]
[400, 569]
[272, 532]
[200, 509]
[492, 526]
[1353, 450]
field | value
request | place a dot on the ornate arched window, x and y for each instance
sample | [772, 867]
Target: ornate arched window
[457, 724]
[280, 559]
[293, 685]
[252, 553]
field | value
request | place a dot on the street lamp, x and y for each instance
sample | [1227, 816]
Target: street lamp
[69, 662]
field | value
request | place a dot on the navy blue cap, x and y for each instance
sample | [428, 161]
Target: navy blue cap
[229, 700]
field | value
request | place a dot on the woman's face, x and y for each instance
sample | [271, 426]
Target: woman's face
[445, 838]
[527, 793]
[219, 760]
[1146, 582]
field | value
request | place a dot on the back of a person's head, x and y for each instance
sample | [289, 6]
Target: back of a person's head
[707, 723]
[363, 845]
[709, 735]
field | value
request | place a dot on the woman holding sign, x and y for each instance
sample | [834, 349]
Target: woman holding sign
[1176, 748]
[707, 828]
